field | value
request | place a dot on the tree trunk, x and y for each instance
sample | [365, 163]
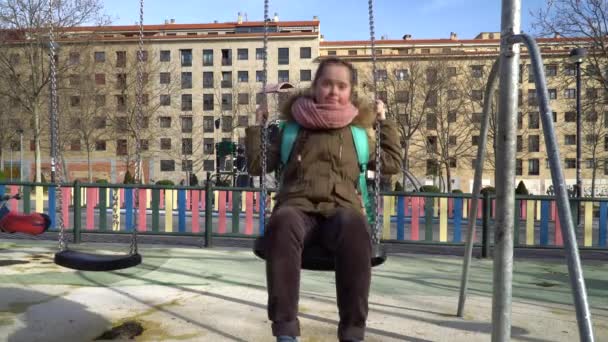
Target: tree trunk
[449, 177]
[1, 159]
[89, 165]
[405, 163]
[593, 174]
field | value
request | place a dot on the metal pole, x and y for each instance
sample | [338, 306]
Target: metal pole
[583, 315]
[481, 152]
[505, 173]
[21, 156]
[579, 141]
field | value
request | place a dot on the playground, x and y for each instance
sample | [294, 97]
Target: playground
[219, 294]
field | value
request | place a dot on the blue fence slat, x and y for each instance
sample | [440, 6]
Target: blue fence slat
[2, 189]
[52, 206]
[129, 209]
[603, 229]
[544, 222]
[262, 212]
[457, 219]
[400, 218]
[181, 210]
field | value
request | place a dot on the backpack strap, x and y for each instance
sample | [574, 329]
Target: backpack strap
[288, 138]
[362, 147]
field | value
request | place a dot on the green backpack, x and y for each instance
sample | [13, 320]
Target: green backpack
[290, 133]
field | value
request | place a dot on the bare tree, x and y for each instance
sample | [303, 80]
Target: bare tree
[24, 51]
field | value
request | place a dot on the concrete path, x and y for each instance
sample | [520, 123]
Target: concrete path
[184, 294]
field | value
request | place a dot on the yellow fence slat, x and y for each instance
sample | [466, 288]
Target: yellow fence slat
[443, 219]
[169, 211]
[389, 202]
[530, 222]
[39, 199]
[588, 224]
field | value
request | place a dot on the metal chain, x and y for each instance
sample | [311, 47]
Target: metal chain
[139, 117]
[264, 121]
[377, 174]
[54, 121]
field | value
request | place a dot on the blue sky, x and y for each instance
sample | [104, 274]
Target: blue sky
[340, 20]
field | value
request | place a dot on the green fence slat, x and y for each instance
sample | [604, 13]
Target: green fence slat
[103, 209]
[27, 197]
[428, 218]
[236, 210]
[516, 222]
[155, 202]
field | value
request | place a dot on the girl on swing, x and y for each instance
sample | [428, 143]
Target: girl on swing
[318, 201]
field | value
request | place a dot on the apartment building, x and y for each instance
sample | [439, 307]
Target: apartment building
[202, 84]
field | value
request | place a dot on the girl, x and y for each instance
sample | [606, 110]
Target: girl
[318, 201]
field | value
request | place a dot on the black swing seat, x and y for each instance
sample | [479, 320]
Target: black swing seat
[95, 262]
[317, 258]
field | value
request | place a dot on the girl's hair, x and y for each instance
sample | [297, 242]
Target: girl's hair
[335, 61]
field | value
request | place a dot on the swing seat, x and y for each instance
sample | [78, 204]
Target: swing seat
[317, 258]
[95, 262]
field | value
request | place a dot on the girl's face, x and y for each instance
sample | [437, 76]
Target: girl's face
[333, 86]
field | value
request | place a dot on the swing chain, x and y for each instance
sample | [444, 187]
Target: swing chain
[264, 120]
[377, 174]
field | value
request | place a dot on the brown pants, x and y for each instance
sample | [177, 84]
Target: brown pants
[346, 234]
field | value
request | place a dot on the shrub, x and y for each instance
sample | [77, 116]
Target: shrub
[457, 191]
[490, 190]
[429, 188]
[521, 189]
[165, 182]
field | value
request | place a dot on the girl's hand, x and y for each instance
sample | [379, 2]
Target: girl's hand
[380, 110]
[261, 114]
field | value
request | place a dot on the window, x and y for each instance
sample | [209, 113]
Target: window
[452, 94]
[207, 79]
[207, 101]
[186, 57]
[100, 100]
[144, 145]
[570, 139]
[570, 70]
[475, 140]
[121, 147]
[74, 101]
[589, 163]
[100, 79]
[167, 165]
[530, 74]
[121, 124]
[431, 75]
[452, 140]
[143, 56]
[452, 162]
[520, 120]
[552, 94]
[207, 57]
[519, 167]
[243, 121]
[283, 75]
[533, 143]
[121, 81]
[208, 124]
[187, 146]
[554, 116]
[591, 116]
[186, 124]
[381, 75]
[242, 54]
[451, 71]
[352, 52]
[165, 77]
[606, 143]
[431, 144]
[477, 71]
[532, 97]
[259, 98]
[100, 56]
[431, 121]
[570, 93]
[519, 144]
[75, 145]
[533, 120]
[283, 56]
[165, 56]
[305, 75]
[477, 117]
[331, 52]
[401, 74]
[401, 96]
[432, 167]
[74, 80]
[259, 76]
[99, 122]
[243, 98]
[74, 58]
[227, 124]
[100, 145]
[570, 116]
[550, 70]
[165, 100]
[208, 165]
[121, 103]
[533, 167]
[121, 59]
[165, 143]
[591, 93]
[259, 54]
[186, 80]
[226, 79]
[305, 53]
[243, 76]
[226, 57]
[431, 99]
[591, 139]
[451, 116]
[187, 165]
[186, 102]
[570, 163]
[227, 102]
[165, 121]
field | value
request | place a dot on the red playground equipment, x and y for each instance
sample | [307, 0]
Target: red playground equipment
[14, 222]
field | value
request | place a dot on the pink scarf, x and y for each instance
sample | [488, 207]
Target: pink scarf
[311, 115]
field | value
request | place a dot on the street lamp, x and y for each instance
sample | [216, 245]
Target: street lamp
[577, 56]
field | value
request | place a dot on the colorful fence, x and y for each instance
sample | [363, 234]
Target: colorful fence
[406, 217]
